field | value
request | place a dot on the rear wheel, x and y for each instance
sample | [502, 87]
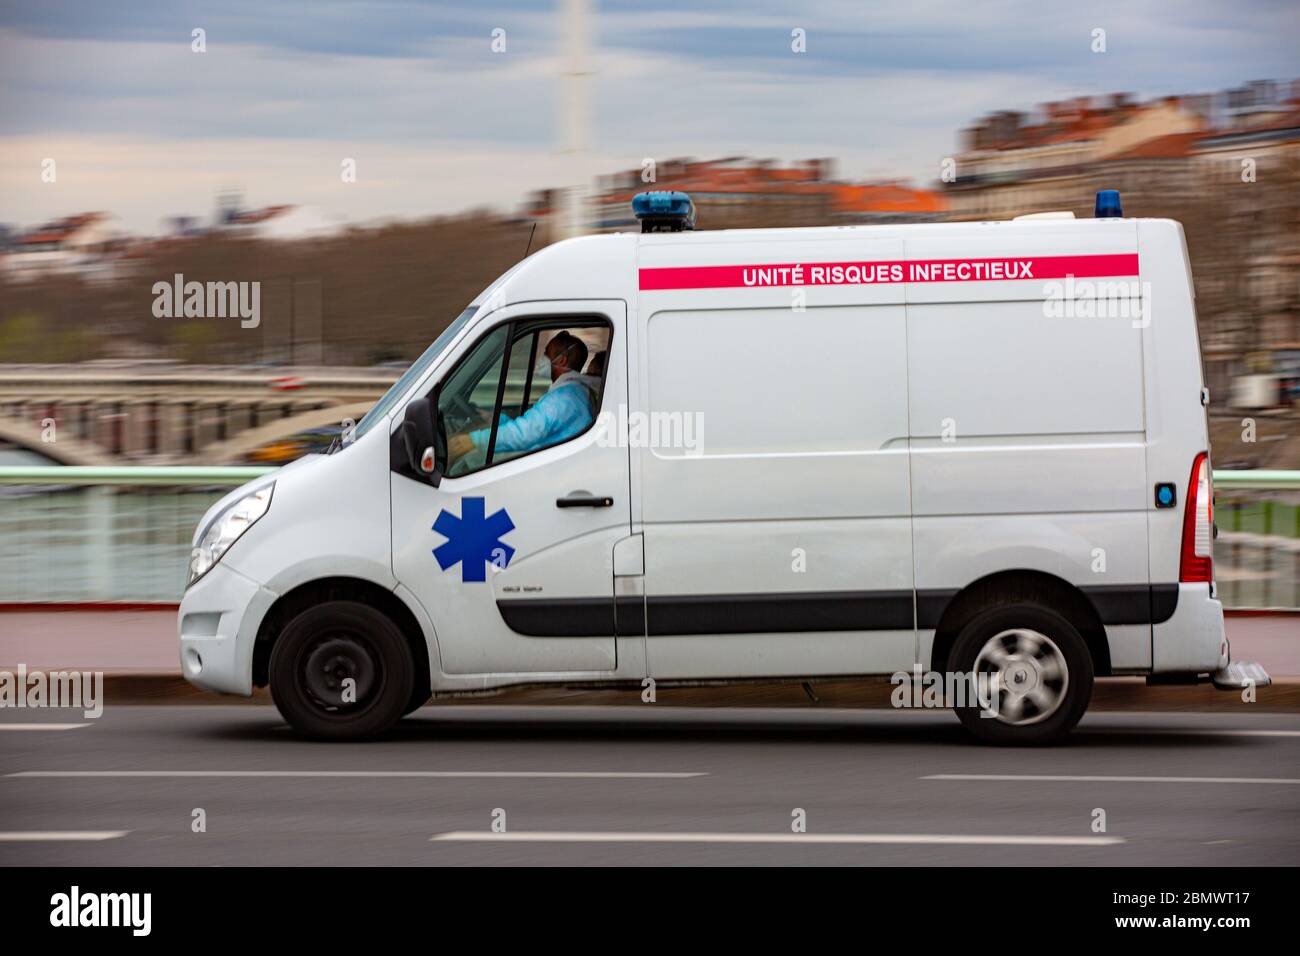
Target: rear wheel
[341, 671]
[1034, 672]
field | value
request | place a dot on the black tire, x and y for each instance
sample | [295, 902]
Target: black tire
[321, 647]
[1057, 672]
[418, 699]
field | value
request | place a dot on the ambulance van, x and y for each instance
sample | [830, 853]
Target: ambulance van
[676, 457]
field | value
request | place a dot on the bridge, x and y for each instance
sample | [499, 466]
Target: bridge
[99, 413]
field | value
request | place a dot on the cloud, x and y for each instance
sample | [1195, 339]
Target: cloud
[414, 92]
[145, 181]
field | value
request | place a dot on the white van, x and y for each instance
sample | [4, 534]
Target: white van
[810, 454]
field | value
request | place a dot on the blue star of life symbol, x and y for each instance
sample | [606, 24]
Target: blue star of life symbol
[473, 539]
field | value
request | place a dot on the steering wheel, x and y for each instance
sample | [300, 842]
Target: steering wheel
[461, 413]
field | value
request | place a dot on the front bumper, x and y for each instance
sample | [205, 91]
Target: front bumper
[217, 625]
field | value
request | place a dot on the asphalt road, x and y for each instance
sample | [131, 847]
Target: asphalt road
[690, 786]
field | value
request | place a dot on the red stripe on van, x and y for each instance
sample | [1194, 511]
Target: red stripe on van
[773, 275]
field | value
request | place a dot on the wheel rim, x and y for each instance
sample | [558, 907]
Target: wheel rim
[331, 659]
[1031, 675]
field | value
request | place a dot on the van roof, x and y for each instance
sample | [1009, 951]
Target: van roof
[601, 259]
[923, 230]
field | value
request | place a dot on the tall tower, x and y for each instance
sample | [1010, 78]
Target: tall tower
[575, 115]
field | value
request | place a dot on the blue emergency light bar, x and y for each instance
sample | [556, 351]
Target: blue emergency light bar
[1107, 206]
[664, 211]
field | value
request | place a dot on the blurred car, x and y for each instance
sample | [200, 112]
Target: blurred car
[308, 442]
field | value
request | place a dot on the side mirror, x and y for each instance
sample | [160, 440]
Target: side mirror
[415, 454]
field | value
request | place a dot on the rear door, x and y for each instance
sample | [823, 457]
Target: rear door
[1027, 417]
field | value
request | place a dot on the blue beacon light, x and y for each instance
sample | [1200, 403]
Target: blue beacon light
[1108, 206]
[664, 211]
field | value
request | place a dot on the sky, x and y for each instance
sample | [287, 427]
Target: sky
[141, 125]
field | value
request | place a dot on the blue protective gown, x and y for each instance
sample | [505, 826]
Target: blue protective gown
[564, 411]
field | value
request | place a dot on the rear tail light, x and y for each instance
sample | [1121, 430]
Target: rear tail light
[1197, 562]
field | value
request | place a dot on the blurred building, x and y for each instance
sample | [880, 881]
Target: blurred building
[727, 192]
[88, 243]
[1258, 164]
[873, 203]
[1226, 165]
[278, 223]
[1011, 163]
[1235, 190]
[737, 193]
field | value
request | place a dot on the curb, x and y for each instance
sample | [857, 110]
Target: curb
[1109, 694]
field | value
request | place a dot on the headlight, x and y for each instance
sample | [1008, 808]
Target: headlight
[225, 530]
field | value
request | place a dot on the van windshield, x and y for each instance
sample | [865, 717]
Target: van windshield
[390, 398]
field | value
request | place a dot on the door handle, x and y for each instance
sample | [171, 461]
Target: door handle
[583, 499]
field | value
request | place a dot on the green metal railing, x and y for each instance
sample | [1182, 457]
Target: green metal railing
[91, 534]
[1257, 550]
[132, 476]
[1262, 480]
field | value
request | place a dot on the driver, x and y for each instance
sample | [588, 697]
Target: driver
[563, 412]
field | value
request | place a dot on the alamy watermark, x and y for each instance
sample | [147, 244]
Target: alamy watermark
[627, 429]
[945, 690]
[179, 299]
[75, 908]
[1082, 299]
[80, 690]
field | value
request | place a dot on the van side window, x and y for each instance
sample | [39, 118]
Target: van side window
[526, 386]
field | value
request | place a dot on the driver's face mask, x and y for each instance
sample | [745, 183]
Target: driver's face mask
[543, 368]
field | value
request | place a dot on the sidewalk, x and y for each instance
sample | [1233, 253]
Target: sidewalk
[145, 641]
[137, 651]
[105, 640]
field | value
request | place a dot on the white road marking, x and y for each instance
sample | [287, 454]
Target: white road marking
[43, 836]
[380, 774]
[1077, 778]
[578, 836]
[42, 726]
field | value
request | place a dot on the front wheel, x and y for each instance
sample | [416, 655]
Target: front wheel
[1033, 671]
[341, 671]
[419, 697]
